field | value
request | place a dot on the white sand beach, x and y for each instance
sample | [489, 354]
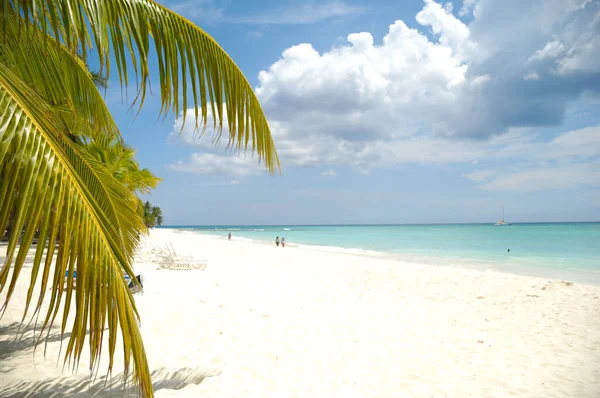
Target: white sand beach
[262, 321]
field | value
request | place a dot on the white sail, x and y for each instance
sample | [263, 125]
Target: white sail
[502, 222]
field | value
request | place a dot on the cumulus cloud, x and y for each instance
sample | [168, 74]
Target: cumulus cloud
[445, 92]
[450, 31]
[412, 98]
[361, 91]
[467, 7]
[552, 49]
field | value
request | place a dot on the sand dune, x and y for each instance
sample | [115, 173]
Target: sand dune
[262, 321]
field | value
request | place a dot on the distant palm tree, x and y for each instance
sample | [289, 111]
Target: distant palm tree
[157, 214]
[152, 215]
[119, 160]
[50, 109]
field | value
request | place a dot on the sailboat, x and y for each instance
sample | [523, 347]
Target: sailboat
[502, 222]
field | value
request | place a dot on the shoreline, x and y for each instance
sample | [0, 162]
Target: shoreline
[514, 267]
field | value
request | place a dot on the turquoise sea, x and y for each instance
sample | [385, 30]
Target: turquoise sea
[557, 250]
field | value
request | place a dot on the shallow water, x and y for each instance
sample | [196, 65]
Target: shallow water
[558, 250]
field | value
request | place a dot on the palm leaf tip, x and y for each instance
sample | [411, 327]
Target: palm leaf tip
[237, 140]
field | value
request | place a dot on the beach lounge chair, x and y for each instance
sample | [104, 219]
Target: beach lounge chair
[143, 257]
[134, 287]
[74, 279]
[148, 254]
[169, 259]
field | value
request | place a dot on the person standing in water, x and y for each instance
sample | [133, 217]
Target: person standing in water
[283, 241]
[277, 241]
[229, 236]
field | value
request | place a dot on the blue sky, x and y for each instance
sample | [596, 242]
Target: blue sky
[392, 112]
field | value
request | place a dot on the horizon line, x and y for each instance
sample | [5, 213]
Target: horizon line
[374, 224]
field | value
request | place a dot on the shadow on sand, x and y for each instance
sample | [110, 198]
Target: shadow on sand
[22, 338]
[103, 386]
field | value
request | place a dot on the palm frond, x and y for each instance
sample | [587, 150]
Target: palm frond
[48, 183]
[119, 160]
[190, 62]
[59, 76]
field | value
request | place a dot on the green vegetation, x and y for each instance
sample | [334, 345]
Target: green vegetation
[66, 175]
[152, 215]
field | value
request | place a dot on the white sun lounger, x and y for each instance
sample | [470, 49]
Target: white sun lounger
[133, 286]
[169, 259]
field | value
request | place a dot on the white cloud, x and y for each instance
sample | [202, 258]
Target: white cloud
[410, 98]
[546, 178]
[467, 7]
[452, 33]
[480, 80]
[584, 143]
[552, 49]
[235, 182]
[562, 37]
[531, 76]
[200, 137]
[306, 13]
[457, 96]
[573, 145]
[329, 173]
[329, 105]
[569, 160]
[213, 164]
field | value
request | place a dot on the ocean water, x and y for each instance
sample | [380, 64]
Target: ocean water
[556, 250]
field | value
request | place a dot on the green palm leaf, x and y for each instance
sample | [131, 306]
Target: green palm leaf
[190, 62]
[119, 160]
[59, 76]
[48, 182]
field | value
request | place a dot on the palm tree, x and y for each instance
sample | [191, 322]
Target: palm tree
[118, 158]
[157, 215]
[152, 215]
[50, 108]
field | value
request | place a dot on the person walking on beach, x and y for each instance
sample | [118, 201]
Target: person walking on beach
[277, 241]
[229, 236]
[283, 241]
